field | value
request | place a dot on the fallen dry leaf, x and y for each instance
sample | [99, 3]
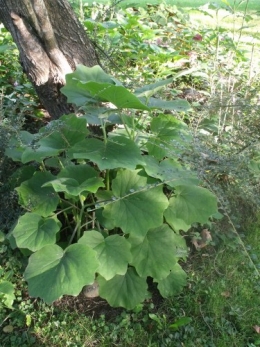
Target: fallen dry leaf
[205, 239]
[225, 294]
[257, 328]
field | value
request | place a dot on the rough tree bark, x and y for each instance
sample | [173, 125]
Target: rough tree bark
[51, 42]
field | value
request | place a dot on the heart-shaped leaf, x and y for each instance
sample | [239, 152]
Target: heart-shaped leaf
[190, 204]
[137, 207]
[168, 135]
[75, 84]
[155, 254]
[17, 146]
[169, 171]
[34, 232]
[53, 272]
[117, 152]
[113, 253]
[117, 95]
[173, 283]
[57, 136]
[124, 291]
[38, 199]
[94, 73]
[75, 179]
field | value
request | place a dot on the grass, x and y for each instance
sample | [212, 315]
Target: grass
[232, 24]
[222, 301]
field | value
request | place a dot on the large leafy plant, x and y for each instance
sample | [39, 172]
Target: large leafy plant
[107, 207]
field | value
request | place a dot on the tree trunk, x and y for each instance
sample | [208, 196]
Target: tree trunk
[51, 42]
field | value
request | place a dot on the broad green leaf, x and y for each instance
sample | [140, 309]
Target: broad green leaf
[117, 95]
[7, 293]
[169, 136]
[76, 92]
[169, 171]
[90, 85]
[172, 284]
[67, 131]
[190, 204]
[155, 254]
[103, 197]
[75, 88]
[38, 153]
[94, 73]
[124, 290]
[6, 48]
[106, 223]
[151, 89]
[53, 272]
[113, 253]
[34, 232]
[22, 174]
[38, 199]
[177, 223]
[100, 115]
[137, 207]
[75, 179]
[93, 84]
[178, 105]
[57, 136]
[118, 152]
[210, 125]
[17, 146]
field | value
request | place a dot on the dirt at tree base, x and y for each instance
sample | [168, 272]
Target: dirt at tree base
[95, 307]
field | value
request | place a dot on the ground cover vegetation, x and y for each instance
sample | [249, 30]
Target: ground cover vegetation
[175, 171]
